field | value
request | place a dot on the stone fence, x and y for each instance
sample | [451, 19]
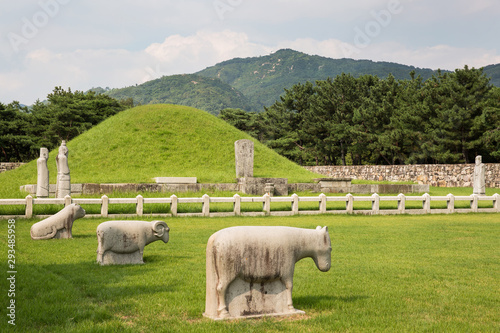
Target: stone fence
[283, 206]
[442, 175]
[6, 166]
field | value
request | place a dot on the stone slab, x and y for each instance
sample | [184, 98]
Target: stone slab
[176, 180]
[332, 179]
[244, 157]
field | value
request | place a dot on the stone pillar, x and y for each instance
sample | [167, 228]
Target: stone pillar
[42, 183]
[243, 152]
[63, 184]
[479, 177]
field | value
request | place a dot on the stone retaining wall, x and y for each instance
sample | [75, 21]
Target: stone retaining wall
[280, 188]
[442, 175]
[89, 188]
[6, 166]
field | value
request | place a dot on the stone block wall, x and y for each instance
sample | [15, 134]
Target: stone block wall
[442, 175]
[257, 185]
[6, 166]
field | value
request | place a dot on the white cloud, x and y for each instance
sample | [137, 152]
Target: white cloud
[195, 52]
[438, 56]
[43, 70]
[38, 71]
[82, 69]
[434, 57]
[467, 7]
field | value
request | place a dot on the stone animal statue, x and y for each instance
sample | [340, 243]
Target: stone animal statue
[258, 254]
[58, 225]
[121, 239]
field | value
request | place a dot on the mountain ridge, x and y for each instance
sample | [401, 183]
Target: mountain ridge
[286, 67]
[253, 83]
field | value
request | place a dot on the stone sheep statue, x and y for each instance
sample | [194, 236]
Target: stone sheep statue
[123, 242]
[58, 225]
[237, 258]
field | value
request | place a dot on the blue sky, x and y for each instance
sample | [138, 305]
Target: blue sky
[84, 44]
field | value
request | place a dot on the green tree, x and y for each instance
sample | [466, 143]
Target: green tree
[249, 122]
[490, 139]
[285, 124]
[455, 103]
[330, 120]
[15, 143]
[68, 114]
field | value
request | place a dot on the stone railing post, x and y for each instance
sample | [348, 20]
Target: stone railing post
[474, 203]
[349, 204]
[322, 203]
[29, 207]
[375, 204]
[173, 205]
[237, 204]
[426, 203]
[67, 200]
[450, 205]
[295, 204]
[104, 205]
[139, 208]
[496, 202]
[205, 206]
[401, 203]
[266, 207]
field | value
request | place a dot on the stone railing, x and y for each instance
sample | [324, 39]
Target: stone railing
[442, 175]
[6, 166]
[424, 204]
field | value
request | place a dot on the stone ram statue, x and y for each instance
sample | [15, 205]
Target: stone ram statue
[123, 242]
[58, 225]
[249, 270]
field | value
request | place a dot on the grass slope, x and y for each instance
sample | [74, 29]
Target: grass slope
[157, 141]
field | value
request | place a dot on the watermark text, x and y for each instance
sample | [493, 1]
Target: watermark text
[11, 272]
[31, 26]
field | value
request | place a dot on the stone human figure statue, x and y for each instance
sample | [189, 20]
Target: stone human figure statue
[42, 183]
[63, 184]
[479, 177]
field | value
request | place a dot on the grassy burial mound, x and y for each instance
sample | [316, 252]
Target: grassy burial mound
[159, 140]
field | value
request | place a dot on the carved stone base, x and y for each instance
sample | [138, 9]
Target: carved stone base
[112, 258]
[253, 300]
[63, 233]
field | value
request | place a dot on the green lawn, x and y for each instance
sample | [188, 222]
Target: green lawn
[389, 273]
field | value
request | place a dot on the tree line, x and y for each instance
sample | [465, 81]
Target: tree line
[65, 115]
[448, 118]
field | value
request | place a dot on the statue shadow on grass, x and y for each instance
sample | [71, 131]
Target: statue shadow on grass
[84, 236]
[108, 281]
[317, 302]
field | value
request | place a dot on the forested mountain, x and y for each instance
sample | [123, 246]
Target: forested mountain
[262, 79]
[252, 83]
[209, 94]
[493, 72]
